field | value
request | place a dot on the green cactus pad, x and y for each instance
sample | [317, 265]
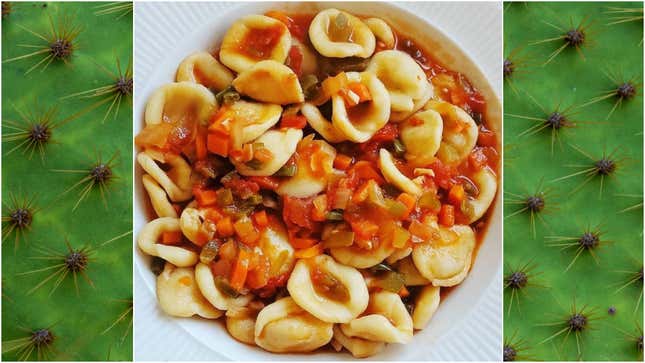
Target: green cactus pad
[604, 280]
[95, 323]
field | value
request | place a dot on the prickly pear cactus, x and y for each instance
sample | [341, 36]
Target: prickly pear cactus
[573, 231]
[66, 181]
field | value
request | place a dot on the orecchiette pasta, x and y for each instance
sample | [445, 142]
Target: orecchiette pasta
[158, 198]
[410, 274]
[361, 122]
[360, 348]
[212, 293]
[203, 68]
[385, 320]
[402, 76]
[282, 144]
[357, 257]
[307, 181]
[250, 120]
[192, 226]
[398, 255]
[323, 126]
[421, 135]
[178, 294]
[345, 302]
[179, 101]
[486, 183]
[425, 306]
[270, 81]
[446, 262]
[240, 322]
[393, 175]
[397, 116]
[176, 181]
[148, 242]
[459, 132]
[381, 31]
[274, 243]
[283, 326]
[338, 34]
[252, 39]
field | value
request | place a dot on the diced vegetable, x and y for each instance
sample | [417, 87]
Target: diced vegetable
[399, 148]
[293, 121]
[223, 286]
[447, 215]
[342, 162]
[218, 144]
[420, 230]
[365, 170]
[341, 197]
[328, 284]
[309, 252]
[390, 281]
[240, 270]
[201, 151]
[339, 238]
[260, 218]
[456, 194]
[334, 215]
[246, 231]
[205, 197]
[227, 96]
[224, 197]
[340, 30]
[294, 60]
[300, 243]
[380, 268]
[396, 208]
[333, 85]
[262, 154]
[319, 212]
[364, 229]
[409, 201]
[429, 200]
[400, 238]
[486, 137]
[171, 237]
[225, 227]
[287, 170]
[387, 133]
[310, 86]
[209, 252]
[258, 275]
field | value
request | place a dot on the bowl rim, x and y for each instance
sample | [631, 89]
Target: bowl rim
[473, 72]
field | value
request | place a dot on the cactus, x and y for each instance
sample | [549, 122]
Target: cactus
[589, 249]
[67, 266]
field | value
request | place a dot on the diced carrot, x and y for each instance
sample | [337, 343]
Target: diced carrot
[447, 215]
[300, 243]
[456, 194]
[212, 214]
[333, 85]
[262, 155]
[200, 145]
[365, 170]
[218, 144]
[420, 230]
[361, 91]
[225, 227]
[258, 275]
[342, 162]
[171, 237]
[486, 137]
[240, 270]
[228, 250]
[404, 292]
[265, 182]
[362, 192]
[365, 229]
[293, 121]
[246, 232]
[409, 201]
[260, 219]
[387, 133]
[205, 197]
[309, 252]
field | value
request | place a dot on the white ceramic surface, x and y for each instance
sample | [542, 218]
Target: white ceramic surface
[467, 325]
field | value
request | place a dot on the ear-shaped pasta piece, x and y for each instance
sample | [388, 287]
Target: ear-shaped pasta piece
[203, 68]
[486, 182]
[385, 320]
[360, 348]
[398, 254]
[249, 120]
[421, 134]
[192, 226]
[274, 243]
[309, 63]
[151, 233]
[319, 123]
[459, 132]
[284, 327]
[425, 306]
[315, 162]
[179, 296]
[411, 275]
[270, 81]
[332, 308]
[240, 323]
[361, 258]
[339, 34]
[397, 116]
[402, 76]
[208, 288]
[158, 198]
[446, 262]
[179, 101]
[176, 181]
[254, 38]
[393, 175]
[381, 31]
[361, 122]
[282, 144]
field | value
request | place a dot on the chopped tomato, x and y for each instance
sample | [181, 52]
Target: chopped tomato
[444, 175]
[218, 144]
[205, 197]
[301, 243]
[297, 27]
[222, 267]
[293, 121]
[486, 137]
[477, 159]
[296, 211]
[342, 162]
[364, 229]
[225, 227]
[258, 43]
[265, 182]
[447, 215]
[294, 60]
[258, 275]
[387, 133]
[365, 170]
[260, 219]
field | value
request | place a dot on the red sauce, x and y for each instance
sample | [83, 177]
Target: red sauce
[259, 43]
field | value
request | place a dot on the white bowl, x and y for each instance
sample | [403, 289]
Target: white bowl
[468, 322]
